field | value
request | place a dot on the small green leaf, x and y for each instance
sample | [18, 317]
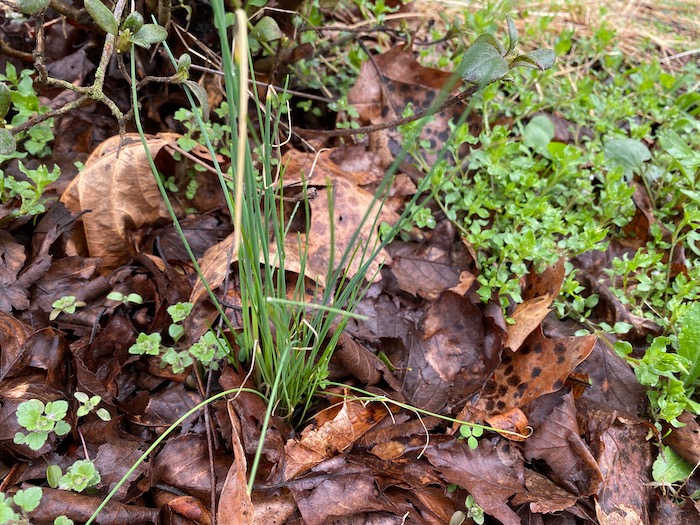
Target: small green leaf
[670, 467]
[103, 414]
[512, 35]
[629, 154]
[149, 34]
[544, 57]
[8, 145]
[28, 499]
[32, 7]
[63, 520]
[488, 38]
[5, 99]
[36, 440]
[81, 397]
[53, 475]
[541, 59]
[538, 133]
[133, 22]
[689, 341]
[184, 62]
[176, 331]
[134, 298]
[101, 14]
[115, 296]
[201, 95]
[482, 64]
[266, 30]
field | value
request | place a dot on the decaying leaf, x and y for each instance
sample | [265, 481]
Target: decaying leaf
[235, 505]
[539, 367]
[316, 445]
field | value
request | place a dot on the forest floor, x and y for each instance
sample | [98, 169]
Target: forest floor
[524, 344]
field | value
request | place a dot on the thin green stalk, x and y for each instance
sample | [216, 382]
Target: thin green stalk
[160, 439]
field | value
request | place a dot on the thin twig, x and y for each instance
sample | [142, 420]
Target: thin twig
[391, 124]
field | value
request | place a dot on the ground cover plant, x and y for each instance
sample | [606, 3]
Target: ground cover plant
[368, 262]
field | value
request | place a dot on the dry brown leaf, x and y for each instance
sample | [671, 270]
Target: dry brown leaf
[235, 505]
[538, 295]
[492, 474]
[539, 367]
[120, 193]
[316, 445]
[12, 257]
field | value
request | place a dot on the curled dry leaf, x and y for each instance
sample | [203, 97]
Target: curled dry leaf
[235, 505]
[119, 189]
[538, 294]
[316, 445]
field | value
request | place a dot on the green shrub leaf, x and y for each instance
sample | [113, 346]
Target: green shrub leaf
[149, 34]
[133, 22]
[482, 64]
[32, 7]
[101, 14]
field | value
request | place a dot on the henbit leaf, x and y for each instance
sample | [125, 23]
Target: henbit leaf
[101, 14]
[482, 64]
[5, 99]
[32, 7]
[149, 34]
[28, 499]
[8, 145]
[512, 35]
[689, 342]
[670, 467]
[201, 95]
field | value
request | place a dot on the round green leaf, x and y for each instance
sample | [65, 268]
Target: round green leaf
[266, 30]
[8, 145]
[629, 154]
[538, 133]
[5, 99]
[101, 14]
[28, 499]
[184, 62]
[149, 34]
[32, 7]
[482, 64]
[53, 475]
[133, 22]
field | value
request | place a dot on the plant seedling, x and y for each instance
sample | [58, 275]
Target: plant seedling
[66, 304]
[40, 420]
